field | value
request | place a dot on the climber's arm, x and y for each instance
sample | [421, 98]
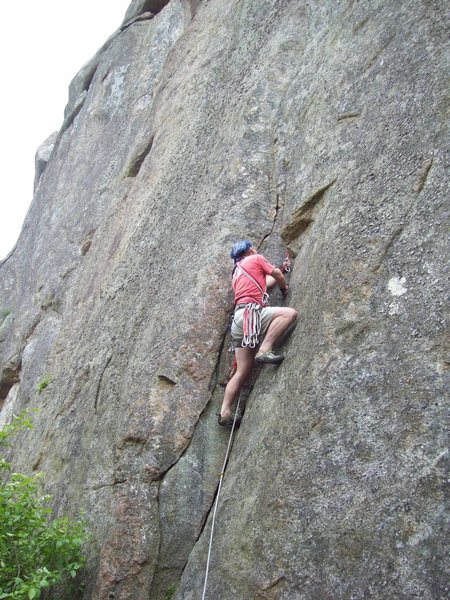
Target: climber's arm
[286, 266]
[276, 277]
[270, 281]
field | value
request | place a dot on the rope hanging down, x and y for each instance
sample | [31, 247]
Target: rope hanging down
[222, 473]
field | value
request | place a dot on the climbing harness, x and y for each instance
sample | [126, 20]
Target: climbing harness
[221, 476]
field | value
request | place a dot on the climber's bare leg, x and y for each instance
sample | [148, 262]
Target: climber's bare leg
[244, 364]
[283, 318]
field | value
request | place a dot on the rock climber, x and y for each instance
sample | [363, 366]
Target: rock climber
[256, 326]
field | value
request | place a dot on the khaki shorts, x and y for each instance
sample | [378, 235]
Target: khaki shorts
[237, 332]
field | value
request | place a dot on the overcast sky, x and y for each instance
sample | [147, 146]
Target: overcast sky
[42, 46]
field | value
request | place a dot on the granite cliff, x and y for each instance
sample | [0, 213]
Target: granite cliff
[314, 125]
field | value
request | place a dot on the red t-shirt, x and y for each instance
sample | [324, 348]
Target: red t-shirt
[245, 291]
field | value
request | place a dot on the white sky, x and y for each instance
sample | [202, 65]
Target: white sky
[43, 44]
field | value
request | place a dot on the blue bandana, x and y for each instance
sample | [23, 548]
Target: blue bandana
[240, 248]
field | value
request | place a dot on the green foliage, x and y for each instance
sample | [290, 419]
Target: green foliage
[170, 592]
[22, 421]
[35, 553]
[43, 383]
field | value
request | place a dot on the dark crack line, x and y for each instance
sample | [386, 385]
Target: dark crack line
[272, 188]
[164, 473]
[144, 442]
[215, 374]
[133, 571]
[100, 381]
[207, 514]
[277, 209]
[96, 488]
[214, 379]
[214, 382]
[423, 176]
[204, 521]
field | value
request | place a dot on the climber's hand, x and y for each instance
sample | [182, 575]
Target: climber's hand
[286, 265]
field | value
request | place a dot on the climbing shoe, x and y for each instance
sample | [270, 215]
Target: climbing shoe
[269, 357]
[228, 421]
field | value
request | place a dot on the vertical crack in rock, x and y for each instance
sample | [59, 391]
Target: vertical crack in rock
[100, 381]
[212, 387]
[160, 541]
[216, 371]
[273, 188]
[172, 570]
[277, 208]
[204, 522]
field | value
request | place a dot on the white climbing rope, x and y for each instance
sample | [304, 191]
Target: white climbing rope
[222, 473]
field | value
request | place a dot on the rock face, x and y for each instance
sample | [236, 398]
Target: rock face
[42, 157]
[317, 125]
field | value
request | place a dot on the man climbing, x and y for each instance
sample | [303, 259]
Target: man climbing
[253, 320]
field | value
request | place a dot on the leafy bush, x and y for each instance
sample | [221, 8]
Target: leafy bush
[44, 382]
[35, 553]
